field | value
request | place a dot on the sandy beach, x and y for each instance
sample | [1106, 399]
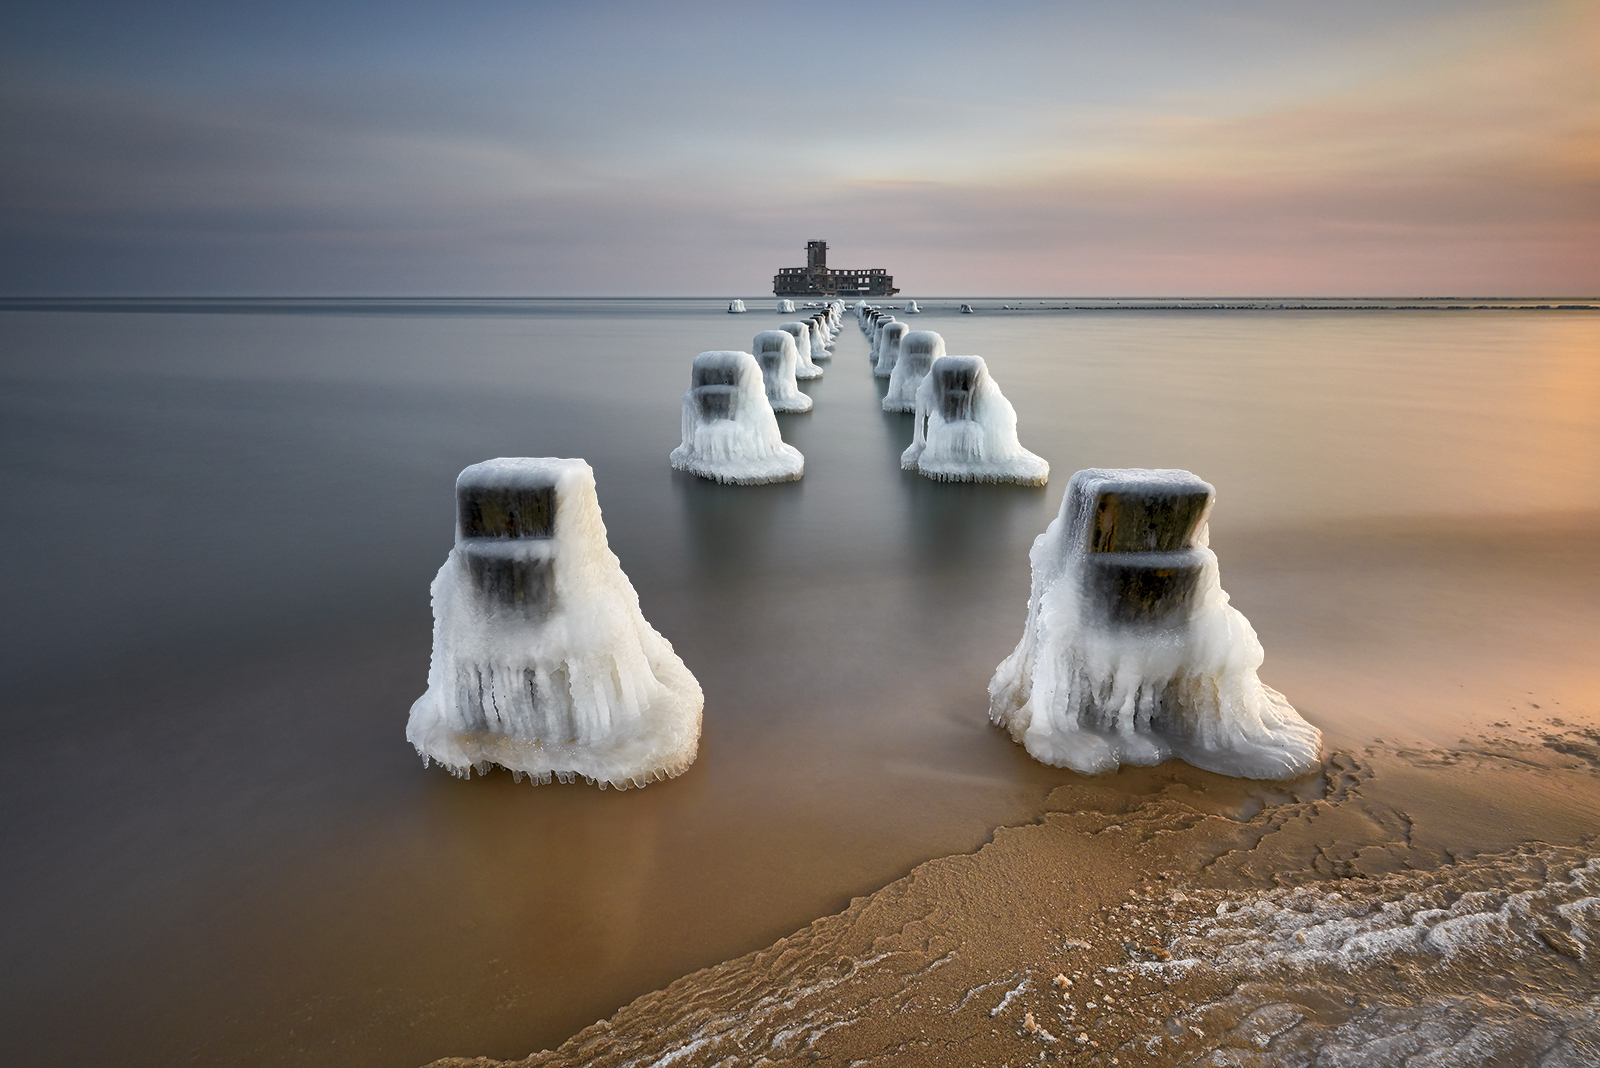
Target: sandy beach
[1377, 924]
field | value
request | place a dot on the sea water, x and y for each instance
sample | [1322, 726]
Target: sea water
[221, 520]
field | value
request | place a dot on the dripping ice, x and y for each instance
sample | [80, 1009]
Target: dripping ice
[729, 431]
[542, 661]
[805, 351]
[1131, 653]
[965, 430]
[775, 352]
[918, 350]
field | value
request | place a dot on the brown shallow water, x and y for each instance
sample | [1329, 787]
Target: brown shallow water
[223, 851]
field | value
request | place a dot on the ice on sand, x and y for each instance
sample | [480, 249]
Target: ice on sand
[542, 661]
[888, 348]
[775, 352]
[729, 431]
[918, 350]
[966, 431]
[804, 369]
[1131, 653]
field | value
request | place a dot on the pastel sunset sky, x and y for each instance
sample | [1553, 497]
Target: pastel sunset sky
[1142, 147]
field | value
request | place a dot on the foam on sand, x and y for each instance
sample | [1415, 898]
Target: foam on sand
[542, 661]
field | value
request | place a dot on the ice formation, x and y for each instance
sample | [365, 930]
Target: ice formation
[804, 368]
[785, 307]
[966, 431]
[878, 328]
[729, 431]
[918, 350]
[911, 307]
[822, 337]
[735, 307]
[776, 354]
[1131, 653]
[888, 348]
[542, 661]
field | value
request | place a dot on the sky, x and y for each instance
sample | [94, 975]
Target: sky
[1128, 148]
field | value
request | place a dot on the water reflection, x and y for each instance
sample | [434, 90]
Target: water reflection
[732, 531]
[966, 525]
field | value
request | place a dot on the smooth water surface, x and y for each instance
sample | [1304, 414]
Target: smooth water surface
[221, 523]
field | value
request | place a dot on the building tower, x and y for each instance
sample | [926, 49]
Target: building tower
[816, 256]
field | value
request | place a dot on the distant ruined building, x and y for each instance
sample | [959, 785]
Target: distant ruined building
[816, 280]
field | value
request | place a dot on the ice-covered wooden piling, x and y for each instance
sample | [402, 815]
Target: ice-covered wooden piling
[965, 430]
[775, 352]
[888, 348]
[1142, 563]
[504, 531]
[804, 368]
[1131, 653]
[729, 432]
[918, 350]
[542, 661]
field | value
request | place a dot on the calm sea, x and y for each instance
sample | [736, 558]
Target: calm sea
[221, 520]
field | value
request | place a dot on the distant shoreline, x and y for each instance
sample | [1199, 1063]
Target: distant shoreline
[982, 306]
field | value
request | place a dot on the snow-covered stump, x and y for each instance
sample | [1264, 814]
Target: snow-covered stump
[804, 368]
[729, 432]
[918, 350]
[1131, 653]
[966, 431]
[776, 353]
[889, 349]
[542, 661]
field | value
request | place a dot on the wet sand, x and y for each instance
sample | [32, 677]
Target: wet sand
[1142, 921]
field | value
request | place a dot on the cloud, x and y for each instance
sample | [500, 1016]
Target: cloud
[1462, 160]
